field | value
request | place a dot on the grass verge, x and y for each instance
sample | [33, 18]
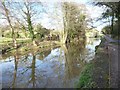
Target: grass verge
[85, 80]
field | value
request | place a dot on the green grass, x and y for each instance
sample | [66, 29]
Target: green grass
[85, 80]
[4, 40]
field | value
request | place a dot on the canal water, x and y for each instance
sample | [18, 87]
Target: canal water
[54, 68]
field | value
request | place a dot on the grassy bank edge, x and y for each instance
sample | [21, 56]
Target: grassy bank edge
[85, 80]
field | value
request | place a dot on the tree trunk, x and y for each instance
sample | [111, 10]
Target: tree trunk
[16, 58]
[64, 33]
[9, 22]
[118, 19]
[112, 22]
[30, 27]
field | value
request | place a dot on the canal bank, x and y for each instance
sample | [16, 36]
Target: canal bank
[102, 71]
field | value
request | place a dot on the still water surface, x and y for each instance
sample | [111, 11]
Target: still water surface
[55, 68]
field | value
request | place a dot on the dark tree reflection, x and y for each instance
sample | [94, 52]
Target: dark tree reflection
[16, 59]
[33, 76]
[73, 54]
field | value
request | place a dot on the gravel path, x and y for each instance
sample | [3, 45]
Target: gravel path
[113, 61]
[113, 57]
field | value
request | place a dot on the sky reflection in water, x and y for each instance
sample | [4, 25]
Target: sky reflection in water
[55, 68]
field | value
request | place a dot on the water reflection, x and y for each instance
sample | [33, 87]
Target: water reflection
[16, 58]
[59, 67]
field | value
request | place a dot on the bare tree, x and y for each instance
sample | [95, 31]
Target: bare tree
[7, 14]
[27, 15]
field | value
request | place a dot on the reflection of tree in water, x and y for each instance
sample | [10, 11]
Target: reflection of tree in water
[73, 62]
[43, 54]
[32, 82]
[16, 58]
[33, 76]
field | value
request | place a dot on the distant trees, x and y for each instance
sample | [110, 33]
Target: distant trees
[112, 12]
[106, 30]
[41, 32]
